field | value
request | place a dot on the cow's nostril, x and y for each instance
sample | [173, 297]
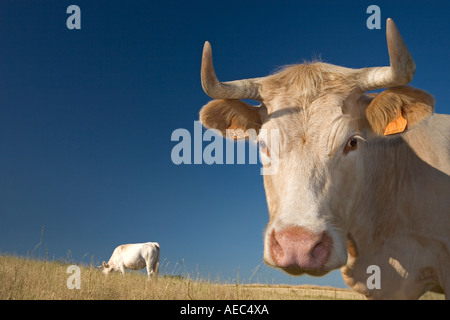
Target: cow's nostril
[275, 247]
[322, 249]
[316, 251]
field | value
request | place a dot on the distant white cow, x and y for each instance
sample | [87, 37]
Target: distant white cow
[134, 256]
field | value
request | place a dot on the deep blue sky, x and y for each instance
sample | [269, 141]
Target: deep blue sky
[86, 118]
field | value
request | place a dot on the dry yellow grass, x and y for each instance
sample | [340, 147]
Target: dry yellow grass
[27, 279]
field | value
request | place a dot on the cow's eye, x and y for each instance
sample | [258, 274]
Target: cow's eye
[263, 148]
[352, 144]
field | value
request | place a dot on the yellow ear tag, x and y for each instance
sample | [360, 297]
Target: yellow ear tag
[233, 125]
[396, 126]
[236, 132]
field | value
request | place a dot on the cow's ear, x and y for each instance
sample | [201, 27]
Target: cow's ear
[232, 114]
[398, 109]
[104, 265]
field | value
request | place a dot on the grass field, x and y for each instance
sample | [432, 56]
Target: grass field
[28, 279]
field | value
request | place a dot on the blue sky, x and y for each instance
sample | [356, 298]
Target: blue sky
[86, 118]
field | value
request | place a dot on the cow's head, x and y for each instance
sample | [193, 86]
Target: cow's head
[324, 120]
[106, 268]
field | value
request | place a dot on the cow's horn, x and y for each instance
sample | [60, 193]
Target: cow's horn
[239, 89]
[402, 66]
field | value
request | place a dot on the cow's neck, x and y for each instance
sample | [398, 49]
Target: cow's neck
[388, 202]
[379, 215]
[376, 214]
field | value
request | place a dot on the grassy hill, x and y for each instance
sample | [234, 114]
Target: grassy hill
[28, 279]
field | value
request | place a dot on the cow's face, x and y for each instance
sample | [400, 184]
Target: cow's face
[106, 268]
[323, 121]
[310, 196]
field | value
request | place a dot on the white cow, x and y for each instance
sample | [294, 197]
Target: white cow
[135, 257]
[363, 180]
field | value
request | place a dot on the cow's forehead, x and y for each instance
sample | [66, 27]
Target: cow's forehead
[319, 127]
[292, 116]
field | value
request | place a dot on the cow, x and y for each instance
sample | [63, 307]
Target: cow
[134, 256]
[363, 179]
